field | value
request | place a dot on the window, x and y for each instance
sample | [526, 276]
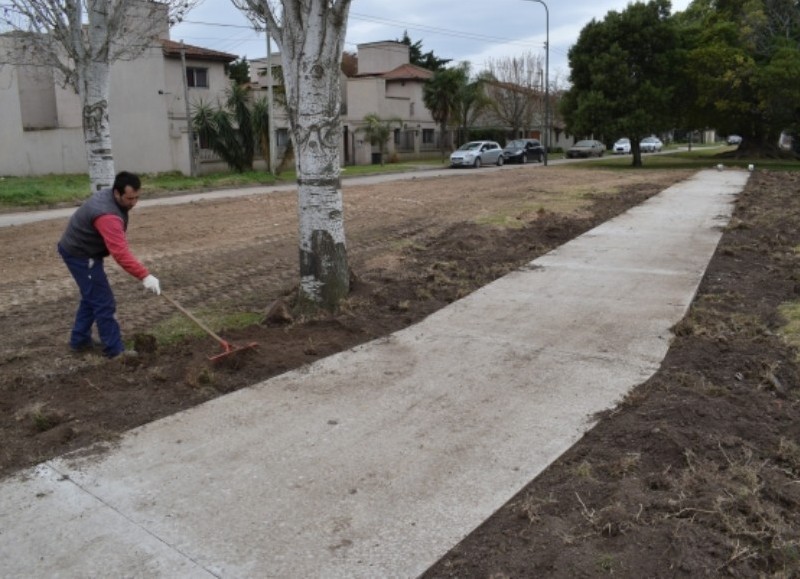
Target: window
[196, 77]
[37, 98]
[427, 136]
[282, 136]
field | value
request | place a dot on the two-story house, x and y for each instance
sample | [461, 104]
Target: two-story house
[385, 84]
[41, 121]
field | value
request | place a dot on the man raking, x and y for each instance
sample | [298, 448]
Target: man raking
[96, 230]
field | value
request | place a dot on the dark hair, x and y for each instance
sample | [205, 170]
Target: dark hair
[123, 179]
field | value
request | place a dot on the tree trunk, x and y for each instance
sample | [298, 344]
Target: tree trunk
[636, 153]
[312, 40]
[94, 78]
[443, 130]
[96, 125]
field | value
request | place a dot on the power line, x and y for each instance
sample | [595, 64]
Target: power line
[389, 22]
[437, 30]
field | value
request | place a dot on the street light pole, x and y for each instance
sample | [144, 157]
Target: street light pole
[546, 81]
[270, 110]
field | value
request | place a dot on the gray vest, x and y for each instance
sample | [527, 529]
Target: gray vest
[81, 239]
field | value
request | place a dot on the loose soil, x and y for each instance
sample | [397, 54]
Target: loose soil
[696, 473]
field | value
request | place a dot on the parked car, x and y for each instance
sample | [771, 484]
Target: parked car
[622, 147]
[651, 145]
[523, 150]
[477, 153]
[586, 148]
[734, 139]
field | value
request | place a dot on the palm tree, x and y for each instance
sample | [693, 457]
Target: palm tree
[378, 130]
[215, 127]
[229, 131]
[471, 102]
[238, 103]
[260, 123]
[440, 94]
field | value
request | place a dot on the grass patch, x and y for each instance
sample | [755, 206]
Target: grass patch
[178, 328]
[605, 563]
[49, 190]
[704, 157]
[44, 190]
[39, 416]
[790, 312]
[562, 202]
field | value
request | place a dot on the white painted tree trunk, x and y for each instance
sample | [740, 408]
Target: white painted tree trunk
[311, 41]
[96, 126]
[94, 76]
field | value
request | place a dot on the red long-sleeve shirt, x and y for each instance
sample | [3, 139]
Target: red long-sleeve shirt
[110, 227]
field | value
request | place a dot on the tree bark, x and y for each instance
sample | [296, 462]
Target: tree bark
[311, 40]
[96, 126]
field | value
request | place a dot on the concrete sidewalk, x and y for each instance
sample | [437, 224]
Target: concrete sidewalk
[376, 461]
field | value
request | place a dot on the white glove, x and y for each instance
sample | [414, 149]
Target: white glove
[151, 283]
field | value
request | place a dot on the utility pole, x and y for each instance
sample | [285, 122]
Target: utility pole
[189, 131]
[546, 80]
[270, 112]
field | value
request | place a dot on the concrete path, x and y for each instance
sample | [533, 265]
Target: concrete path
[376, 461]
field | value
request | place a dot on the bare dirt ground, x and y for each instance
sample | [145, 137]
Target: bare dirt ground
[697, 473]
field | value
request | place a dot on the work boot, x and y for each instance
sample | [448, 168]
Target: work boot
[87, 348]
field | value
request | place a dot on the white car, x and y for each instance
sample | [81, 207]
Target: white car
[477, 153]
[651, 145]
[622, 147]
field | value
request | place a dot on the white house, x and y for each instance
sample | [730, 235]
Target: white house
[40, 119]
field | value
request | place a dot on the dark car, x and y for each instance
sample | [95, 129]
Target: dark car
[586, 148]
[523, 150]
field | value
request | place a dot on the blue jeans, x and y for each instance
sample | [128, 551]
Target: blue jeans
[97, 305]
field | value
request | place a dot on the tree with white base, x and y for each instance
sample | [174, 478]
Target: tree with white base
[310, 36]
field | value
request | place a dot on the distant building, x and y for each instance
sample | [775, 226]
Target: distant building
[41, 121]
[384, 84]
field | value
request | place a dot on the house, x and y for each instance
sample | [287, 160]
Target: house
[384, 84]
[41, 121]
[388, 85]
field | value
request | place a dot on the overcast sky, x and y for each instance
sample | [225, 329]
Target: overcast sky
[472, 30]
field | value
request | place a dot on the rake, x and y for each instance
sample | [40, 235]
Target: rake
[228, 349]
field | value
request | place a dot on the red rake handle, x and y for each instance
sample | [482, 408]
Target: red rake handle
[191, 316]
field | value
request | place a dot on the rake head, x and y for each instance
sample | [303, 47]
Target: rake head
[229, 350]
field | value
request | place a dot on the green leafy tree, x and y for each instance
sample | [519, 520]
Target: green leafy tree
[441, 96]
[743, 65]
[622, 72]
[239, 70]
[426, 60]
